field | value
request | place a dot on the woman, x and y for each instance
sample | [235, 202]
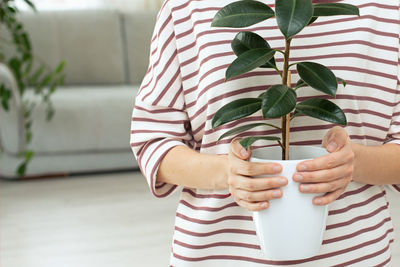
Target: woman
[175, 145]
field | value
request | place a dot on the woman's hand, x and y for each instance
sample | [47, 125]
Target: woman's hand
[329, 174]
[250, 193]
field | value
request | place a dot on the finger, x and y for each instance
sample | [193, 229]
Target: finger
[250, 206]
[246, 168]
[335, 139]
[325, 175]
[259, 196]
[328, 161]
[320, 188]
[257, 184]
[239, 151]
[328, 198]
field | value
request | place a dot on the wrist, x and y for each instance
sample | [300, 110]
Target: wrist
[221, 178]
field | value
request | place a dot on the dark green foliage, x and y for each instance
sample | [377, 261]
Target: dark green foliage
[253, 51]
[242, 14]
[278, 101]
[248, 141]
[245, 41]
[322, 109]
[293, 15]
[248, 61]
[318, 77]
[236, 110]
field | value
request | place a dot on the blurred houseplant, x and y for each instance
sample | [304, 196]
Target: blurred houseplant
[291, 228]
[28, 71]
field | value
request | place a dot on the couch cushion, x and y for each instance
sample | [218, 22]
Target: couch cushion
[138, 29]
[88, 40]
[87, 119]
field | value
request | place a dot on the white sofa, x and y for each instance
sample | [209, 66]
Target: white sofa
[106, 52]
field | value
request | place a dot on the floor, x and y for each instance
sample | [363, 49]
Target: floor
[102, 221]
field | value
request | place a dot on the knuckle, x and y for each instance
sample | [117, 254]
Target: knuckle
[232, 169]
[330, 163]
[248, 169]
[248, 197]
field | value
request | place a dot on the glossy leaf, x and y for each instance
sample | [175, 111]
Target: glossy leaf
[242, 14]
[333, 9]
[235, 110]
[245, 41]
[248, 141]
[248, 61]
[278, 101]
[293, 15]
[340, 80]
[318, 77]
[312, 20]
[300, 83]
[244, 128]
[322, 109]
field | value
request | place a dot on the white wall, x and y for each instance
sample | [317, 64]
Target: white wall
[122, 4]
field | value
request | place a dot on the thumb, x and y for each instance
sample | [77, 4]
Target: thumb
[335, 139]
[238, 150]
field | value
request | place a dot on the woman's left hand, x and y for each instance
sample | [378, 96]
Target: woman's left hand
[329, 174]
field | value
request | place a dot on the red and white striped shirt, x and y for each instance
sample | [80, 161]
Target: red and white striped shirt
[184, 87]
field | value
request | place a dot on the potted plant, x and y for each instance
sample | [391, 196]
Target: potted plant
[300, 234]
[23, 69]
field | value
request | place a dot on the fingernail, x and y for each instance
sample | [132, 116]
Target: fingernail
[264, 205]
[282, 182]
[318, 201]
[276, 194]
[276, 168]
[243, 152]
[332, 146]
[302, 167]
[298, 178]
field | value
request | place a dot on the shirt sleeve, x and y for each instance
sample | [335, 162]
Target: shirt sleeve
[393, 136]
[159, 117]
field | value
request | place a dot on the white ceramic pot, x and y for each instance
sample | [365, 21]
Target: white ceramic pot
[292, 227]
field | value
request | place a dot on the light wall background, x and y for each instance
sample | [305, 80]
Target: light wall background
[76, 4]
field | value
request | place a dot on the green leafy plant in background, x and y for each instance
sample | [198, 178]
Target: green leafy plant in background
[253, 51]
[28, 70]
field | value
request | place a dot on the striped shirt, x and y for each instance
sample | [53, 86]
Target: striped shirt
[185, 86]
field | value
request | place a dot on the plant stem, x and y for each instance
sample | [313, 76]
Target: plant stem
[286, 119]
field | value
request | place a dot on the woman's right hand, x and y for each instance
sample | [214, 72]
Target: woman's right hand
[251, 193]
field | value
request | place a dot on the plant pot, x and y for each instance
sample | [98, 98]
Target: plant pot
[292, 227]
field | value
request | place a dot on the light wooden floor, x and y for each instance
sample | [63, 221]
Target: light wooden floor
[90, 221]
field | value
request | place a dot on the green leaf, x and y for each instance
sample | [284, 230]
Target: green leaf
[60, 67]
[340, 80]
[293, 15]
[278, 101]
[333, 9]
[29, 3]
[248, 61]
[300, 83]
[318, 77]
[235, 110]
[34, 78]
[28, 155]
[245, 41]
[248, 141]
[322, 109]
[21, 169]
[242, 14]
[312, 20]
[244, 128]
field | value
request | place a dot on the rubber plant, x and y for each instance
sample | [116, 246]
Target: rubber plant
[28, 70]
[253, 51]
